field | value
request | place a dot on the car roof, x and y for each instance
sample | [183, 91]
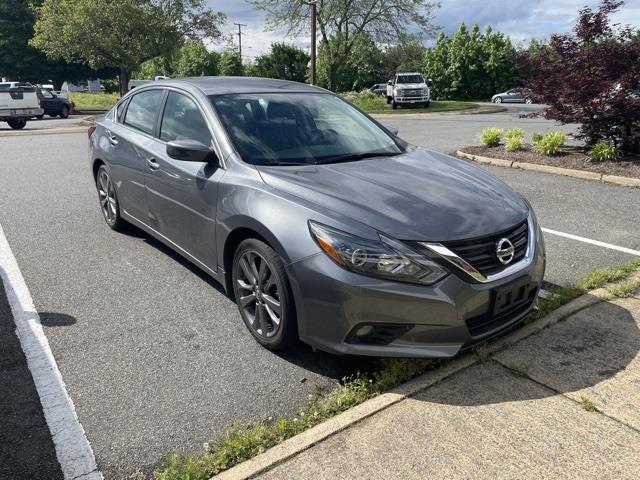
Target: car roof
[224, 85]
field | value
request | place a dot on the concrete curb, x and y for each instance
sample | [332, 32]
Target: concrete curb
[42, 131]
[307, 439]
[481, 110]
[567, 172]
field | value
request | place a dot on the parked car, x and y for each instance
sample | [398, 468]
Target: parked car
[408, 89]
[53, 104]
[379, 88]
[515, 95]
[321, 223]
[18, 103]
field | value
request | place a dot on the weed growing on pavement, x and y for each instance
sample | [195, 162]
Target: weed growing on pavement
[519, 370]
[240, 442]
[624, 289]
[587, 405]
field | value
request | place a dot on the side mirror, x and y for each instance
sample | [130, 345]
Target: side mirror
[429, 81]
[190, 151]
[390, 82]
[392, 129]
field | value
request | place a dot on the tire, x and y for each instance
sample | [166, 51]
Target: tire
[388, 100]
[17, 123]
[498, 100]
[40, 117]
[528, 101]
[394, 105]
[109, 205]
[260, 288]
[427, 104]
[64, 112]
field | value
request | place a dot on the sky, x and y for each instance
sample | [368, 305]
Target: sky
[520, 19]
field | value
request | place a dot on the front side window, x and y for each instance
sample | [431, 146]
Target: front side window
[142, 110]
[183, 120]
[410, 79]
[300, 128]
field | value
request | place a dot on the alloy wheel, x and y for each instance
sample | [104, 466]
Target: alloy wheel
[259, 295]
[107, 197]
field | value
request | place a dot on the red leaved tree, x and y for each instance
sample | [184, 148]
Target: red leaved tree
[591, 77]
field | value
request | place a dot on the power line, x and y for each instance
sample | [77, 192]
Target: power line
[240, 25]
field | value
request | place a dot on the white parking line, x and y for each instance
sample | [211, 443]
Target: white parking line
[593, 242]
[72, 447]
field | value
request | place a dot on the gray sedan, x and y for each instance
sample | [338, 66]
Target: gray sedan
[515, 95]
[321, 223]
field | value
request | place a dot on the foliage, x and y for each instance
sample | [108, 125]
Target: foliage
[285, 62]
[591, 77]
[491, 136]
[93, 101]
[470, 64]
[231, 64]
[341, 24]
[536, 137]
[366, 100]
[514, 140]
[189, 60]
[550, 143]
[120, 33]
[21, 62]
[402, 57]
[603, 151]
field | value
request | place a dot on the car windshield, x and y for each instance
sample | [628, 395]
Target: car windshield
[410, 79]
[300, 129]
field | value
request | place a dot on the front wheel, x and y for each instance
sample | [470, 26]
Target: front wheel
[427, 104]
[394, 105]
[17, 123]
[498, 100]
[263, 295]
[388, 100]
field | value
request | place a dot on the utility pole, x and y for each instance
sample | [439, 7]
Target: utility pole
[312, 4]
[240, 25]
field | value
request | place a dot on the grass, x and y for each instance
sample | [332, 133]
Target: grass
[240, 442]
[587, 404]
[435, 107]
[521, 371]
[94, 101]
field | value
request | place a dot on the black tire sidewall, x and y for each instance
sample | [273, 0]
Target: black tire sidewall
[118, 223]
[287, 334]
[64, 112]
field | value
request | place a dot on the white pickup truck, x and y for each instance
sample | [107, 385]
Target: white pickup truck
[408, 89]
[18, 103]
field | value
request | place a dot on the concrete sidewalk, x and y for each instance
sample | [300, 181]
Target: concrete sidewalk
[562, 403]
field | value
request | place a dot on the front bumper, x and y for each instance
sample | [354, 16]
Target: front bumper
[423, 99]
[332, 304]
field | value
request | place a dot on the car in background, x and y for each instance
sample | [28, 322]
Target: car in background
[320, 222]
[18, 103]
[515, 95]
[378, 88]
[54, 105]
[408, 89]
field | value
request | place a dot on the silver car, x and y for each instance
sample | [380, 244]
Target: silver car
[515, 95]
[321, 223]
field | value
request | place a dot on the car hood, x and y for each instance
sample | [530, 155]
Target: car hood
[419, 195]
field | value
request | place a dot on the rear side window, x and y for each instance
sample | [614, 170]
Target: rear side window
[183, 120]
[142, 110]
[120, 111]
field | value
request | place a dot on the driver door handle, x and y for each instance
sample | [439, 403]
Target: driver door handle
[153, 164]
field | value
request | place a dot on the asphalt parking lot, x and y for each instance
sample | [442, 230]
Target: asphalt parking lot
[154, 356]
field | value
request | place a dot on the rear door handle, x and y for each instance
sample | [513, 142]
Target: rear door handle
[113, 140]
[153, 164]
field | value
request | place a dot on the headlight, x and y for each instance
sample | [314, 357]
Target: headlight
[388, 258]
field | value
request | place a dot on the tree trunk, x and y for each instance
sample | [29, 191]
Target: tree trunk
[124, 80]
[333, 77]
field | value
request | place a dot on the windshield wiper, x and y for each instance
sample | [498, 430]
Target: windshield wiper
[357, 156]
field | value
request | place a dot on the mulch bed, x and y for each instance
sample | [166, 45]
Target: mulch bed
[568, 157]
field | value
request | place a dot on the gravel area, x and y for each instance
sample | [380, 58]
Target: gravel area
[569, 157]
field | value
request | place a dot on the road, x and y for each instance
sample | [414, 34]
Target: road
[153, 355]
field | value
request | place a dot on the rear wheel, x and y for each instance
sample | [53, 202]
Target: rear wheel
[64, 112]
[263, 295]
[108, 199]
[17, 123]
[528, 100]
[394, 105]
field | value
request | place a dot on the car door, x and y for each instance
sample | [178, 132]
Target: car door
[130, 141]
[182, 195]
[49, 103]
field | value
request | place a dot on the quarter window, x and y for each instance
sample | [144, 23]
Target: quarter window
[142, 110]
[183, 120]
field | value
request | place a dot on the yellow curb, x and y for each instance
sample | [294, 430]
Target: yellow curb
[43, 131]
[567, 172]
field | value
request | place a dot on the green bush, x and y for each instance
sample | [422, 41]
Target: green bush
[603, 151]
[536, 137]
[550, 144]
[366, 100]
[491, 136]
[514, 140]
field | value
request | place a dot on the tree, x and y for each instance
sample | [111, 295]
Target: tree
[230, 64]
[592, 77]
[403, 57]
[341, 22]
[120, 33]
[284, 61]
[190, 60]
[19, 61]
[471, 64]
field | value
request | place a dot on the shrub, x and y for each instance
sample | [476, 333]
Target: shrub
[603, 151]
[514, 140]
[366, 100]
[491, 136]
[550, 143]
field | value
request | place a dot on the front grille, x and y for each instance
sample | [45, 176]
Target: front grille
[481, 252]
[412, 93]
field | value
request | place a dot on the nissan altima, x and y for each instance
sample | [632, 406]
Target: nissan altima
[320, 222]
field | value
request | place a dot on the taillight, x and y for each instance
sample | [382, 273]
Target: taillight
[92, 128]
